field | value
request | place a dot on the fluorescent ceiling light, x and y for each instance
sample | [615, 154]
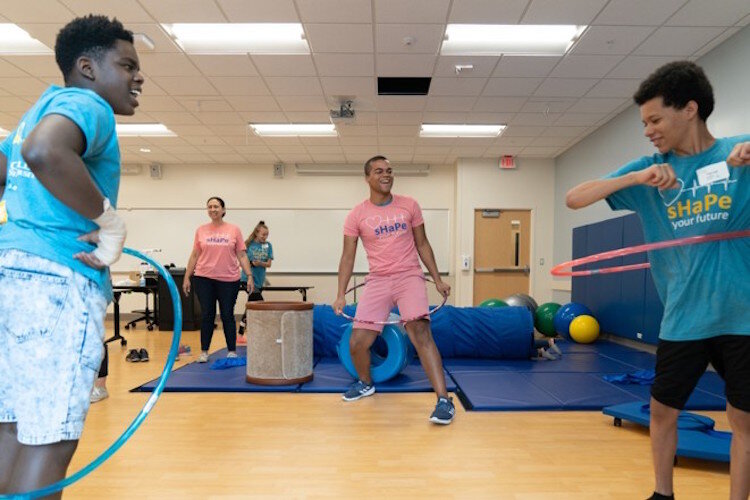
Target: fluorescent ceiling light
[143, 129]
[294, 129]
[441, 130]
[518, 39]
[341, 169]
[3, 132]
[235, 38]
[15, 41]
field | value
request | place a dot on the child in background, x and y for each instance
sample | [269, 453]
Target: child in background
[260, 254]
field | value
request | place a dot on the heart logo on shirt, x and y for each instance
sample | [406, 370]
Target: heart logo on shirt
[671, 194]
[373, 221]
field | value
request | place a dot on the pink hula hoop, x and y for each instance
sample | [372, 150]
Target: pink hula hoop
[565, 269]
[397, 322]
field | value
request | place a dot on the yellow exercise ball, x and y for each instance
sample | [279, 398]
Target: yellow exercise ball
[584, 329]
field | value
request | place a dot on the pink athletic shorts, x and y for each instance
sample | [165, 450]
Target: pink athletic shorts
[382, 293]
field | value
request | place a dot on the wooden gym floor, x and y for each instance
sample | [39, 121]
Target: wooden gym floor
[278, 445]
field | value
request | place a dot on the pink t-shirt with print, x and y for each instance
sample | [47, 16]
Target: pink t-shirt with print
[386, 233]
[218, 246]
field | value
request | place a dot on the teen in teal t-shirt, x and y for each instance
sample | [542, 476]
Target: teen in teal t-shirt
[40, 224]
[705, 288]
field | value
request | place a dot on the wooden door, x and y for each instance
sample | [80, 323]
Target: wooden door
[501, 253]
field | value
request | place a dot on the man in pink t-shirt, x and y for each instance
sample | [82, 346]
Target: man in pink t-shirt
[392, 231]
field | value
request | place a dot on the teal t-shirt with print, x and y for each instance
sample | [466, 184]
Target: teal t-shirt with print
[261, 252]
[705, 288]
[39, 223]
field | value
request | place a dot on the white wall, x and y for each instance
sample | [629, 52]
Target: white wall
[481, 184]
[622, 139]
[253, 186]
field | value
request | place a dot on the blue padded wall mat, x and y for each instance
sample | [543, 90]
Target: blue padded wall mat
[331, 376]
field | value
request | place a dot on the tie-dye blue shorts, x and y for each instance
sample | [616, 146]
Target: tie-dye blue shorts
[51, 332]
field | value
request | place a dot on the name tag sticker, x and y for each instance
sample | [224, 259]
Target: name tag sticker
[712, 173]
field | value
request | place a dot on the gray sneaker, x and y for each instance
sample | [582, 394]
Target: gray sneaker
[358, 390]
[444, 411]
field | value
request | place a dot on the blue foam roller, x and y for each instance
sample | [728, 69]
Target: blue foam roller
[398, 355]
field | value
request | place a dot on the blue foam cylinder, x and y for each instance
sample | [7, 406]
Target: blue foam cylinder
[398, 353]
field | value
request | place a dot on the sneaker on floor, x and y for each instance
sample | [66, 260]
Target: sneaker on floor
[444, 411]
[98, 393]
[231, 354]
[133, 356]
[144, 355]
[358, 390]
[203, 358]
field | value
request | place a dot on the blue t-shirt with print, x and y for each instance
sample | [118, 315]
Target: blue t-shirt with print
[261, 252]
[40, 224]
[705, 287]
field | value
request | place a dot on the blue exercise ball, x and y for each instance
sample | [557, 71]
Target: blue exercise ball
[386, 363]
[566, 314]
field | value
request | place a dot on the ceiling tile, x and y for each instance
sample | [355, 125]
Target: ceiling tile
[611, 40]
[185, 85]
[308, 116]
[444, 117]
[411, 11]
[585, 66]
[612, 87]
[335, 11]
[565, 87]
[253, 103]
[240, 85]
[350, 86]
[557, 12]
[259, 11]
[409, 38]
[126, 11]
[597, 105]
[704, 13]
[457, 86]
[184, 11]
[167, 64]
[23, 66]
[23, 86]
[637, 12]
[302, 103]
[487, 11]
[511, 86]
[482, 66]
[677, 41]
[224, 65]
[579, 119]
[541, 119]
[345, 64]
[449, 103]
[307, 85]
[43, 11]
[285, 65]
[500, 104]
[715, 42]
[525, 67]
[339, 38]
[405, 65]
[220, 118]
[638, 66]
[400, 118]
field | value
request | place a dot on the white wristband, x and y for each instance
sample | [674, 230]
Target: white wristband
[112, 233]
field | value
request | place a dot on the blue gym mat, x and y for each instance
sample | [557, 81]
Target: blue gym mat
[573, 382]
[696, 436]
[329, 375]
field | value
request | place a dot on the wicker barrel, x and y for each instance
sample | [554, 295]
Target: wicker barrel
[279, 342]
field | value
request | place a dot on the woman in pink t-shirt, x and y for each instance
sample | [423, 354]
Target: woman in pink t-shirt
[214, 271]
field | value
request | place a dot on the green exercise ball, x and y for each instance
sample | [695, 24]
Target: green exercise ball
[493, 303]
[544, 318]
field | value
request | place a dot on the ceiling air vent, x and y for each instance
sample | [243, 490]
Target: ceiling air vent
[403, 86]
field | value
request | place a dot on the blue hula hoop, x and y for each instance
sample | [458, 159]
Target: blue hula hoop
[138, 420]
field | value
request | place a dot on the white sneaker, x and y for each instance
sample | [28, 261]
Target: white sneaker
[231, 354]
[203, 358]
[98, 393]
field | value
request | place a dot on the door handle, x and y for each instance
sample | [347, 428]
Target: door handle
[524, 270]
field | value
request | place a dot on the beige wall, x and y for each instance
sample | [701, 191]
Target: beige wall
[481, 184]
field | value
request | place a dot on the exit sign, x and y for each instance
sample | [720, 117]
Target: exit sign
[508, 162]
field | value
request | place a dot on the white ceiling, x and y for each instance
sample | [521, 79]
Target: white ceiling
[548, 103]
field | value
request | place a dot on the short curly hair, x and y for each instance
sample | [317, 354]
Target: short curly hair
[91, 36]
[368, 163]
[678, 83]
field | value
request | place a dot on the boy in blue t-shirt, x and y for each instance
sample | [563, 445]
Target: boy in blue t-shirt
[696, 184]
[59, 178]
